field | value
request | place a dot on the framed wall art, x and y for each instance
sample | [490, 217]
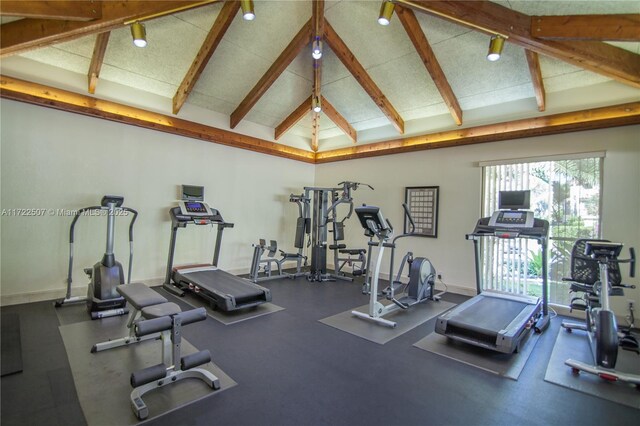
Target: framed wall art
[423, 205]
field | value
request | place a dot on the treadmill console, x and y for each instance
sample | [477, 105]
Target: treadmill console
[512, 219]
[194, 208]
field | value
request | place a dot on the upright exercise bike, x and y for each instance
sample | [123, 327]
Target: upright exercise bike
[597, 285]
[422, 274]
[102, 298]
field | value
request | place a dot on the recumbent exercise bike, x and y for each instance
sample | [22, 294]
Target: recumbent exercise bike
[596, 274]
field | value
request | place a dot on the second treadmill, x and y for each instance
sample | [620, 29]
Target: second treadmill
[499, 320]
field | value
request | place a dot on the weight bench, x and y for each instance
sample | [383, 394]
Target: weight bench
[139, 296]
[173, 367]
[153, 317]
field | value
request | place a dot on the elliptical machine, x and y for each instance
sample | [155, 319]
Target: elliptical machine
[422, 274]
[600, 324]
[102, 298]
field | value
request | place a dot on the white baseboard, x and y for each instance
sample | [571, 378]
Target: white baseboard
[44, 295]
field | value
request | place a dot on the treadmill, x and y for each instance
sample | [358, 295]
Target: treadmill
[222, 290]
[500, 321]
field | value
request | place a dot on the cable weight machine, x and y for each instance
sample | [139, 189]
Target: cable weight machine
[323, 212]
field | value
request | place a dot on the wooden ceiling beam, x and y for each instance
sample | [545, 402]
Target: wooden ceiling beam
[422, 46]
[99, 49]
[362, 77]
[317, 20]
[291, 120]
[492, 18]
[209, 46]
[317, 17]
[288, 54]
[26, 34]
[598, 118]
[315, 132]
[536, 78]
[624, 27]
[339, 120]
[59, 9]
[37, 94]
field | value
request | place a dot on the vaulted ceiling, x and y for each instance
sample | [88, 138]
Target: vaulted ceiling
[424, 73]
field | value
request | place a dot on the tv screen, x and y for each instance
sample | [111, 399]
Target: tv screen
[192, 193]
[514, 200]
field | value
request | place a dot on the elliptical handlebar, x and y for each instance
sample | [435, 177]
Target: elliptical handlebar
[133, 220]
[408, 214]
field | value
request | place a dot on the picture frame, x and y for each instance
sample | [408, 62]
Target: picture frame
[422, 202]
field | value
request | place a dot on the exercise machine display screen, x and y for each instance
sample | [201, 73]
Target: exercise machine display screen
[195, 209]
[514, 200]
[512, 219]
[192, 193]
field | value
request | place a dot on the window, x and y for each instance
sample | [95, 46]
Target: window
[566, 191]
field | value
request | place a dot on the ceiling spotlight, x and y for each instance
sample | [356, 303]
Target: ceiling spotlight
[386, 11]
[316, 48]
[316, 105]
[139, 34]
[247, 10]
[495, 48]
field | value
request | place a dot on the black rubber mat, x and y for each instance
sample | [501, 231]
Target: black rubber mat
[576, 346]
[506, 365]
[11, 354]
[102, 379]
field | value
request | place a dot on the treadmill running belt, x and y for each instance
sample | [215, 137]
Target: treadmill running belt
[489, 314]
[222, 282]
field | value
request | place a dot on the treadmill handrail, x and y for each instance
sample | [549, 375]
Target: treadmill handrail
[539, 232]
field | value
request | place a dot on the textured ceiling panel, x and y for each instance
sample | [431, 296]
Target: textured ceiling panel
[284, 96]
[263, 117]
[580, 78]
[211, 102]
[436, 29]
[276, 23]
[406, 83]
[166, 58]
[356, 22]
[426, 111]
[302, 65]
[250, 48]
[497, 96]
[138, 81]
[552, 67]
[202, 17]
[61, 58]
[231, 73]
[575, 7]
[351, 100]
[463, 60]
[332, 67]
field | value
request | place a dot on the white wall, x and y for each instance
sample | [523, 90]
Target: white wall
[58, 160]
[456, 172]
[53, 159]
